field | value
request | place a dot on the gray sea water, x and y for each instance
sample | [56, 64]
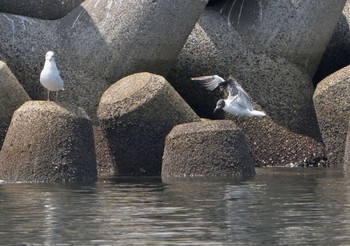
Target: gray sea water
[277, 207]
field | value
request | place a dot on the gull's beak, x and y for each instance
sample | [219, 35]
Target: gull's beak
[216, 109]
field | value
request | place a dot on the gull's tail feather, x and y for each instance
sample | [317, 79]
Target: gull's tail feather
[257, 113]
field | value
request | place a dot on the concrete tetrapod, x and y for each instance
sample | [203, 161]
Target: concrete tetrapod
[135, 114]
[98, 43]
[48, 9]
[208, 148]
[48, 142]
[332, 105]
[347, 150]
[295, 30]
[12, 96]
[289, 134]
[337, 54]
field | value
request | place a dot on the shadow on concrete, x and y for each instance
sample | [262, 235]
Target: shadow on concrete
[337, 54]
[46, 10]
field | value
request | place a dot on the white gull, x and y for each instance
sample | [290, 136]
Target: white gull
[50, 75]
[237, 102]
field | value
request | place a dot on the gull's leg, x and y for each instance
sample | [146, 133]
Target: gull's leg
[48, 95]
[56, 96]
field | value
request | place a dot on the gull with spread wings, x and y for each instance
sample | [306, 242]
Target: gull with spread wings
[237, 102]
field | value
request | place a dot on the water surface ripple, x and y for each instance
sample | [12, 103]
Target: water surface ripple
[289, 207]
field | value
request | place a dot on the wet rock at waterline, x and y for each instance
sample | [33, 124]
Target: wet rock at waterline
[347, 150]
[44, 9]
[104, 157]
[136, 113]
[332, 104]
[289, 133]
[275, 145]
[12, 96]
[48, 142]
[98, 43]
[207, 148]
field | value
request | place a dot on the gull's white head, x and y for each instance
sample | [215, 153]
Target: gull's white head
[50, 55]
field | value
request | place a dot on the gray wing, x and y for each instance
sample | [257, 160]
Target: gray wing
[58, 79]
[239, 95]
[209, 82]
[231, 87]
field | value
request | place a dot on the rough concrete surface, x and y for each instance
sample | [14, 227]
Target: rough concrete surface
[135, 115]
[296, 30]
[337, 54]
[207, 148]
[347, 151]
[12, 96]
[48, 142]
[97, 43]
[332, 104]
[41, 9]
[283, 89]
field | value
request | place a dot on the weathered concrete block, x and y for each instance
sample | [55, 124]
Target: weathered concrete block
[98, 43]
[332, 104]
[12, 95]
[337, 54]
[136, 113]
[279, 87]
[42, 9]
[208, 148]
[48, 142]
[296, 30]
[347, 150]
[104, 157]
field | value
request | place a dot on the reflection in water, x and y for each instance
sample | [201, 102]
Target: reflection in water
[289, 208]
